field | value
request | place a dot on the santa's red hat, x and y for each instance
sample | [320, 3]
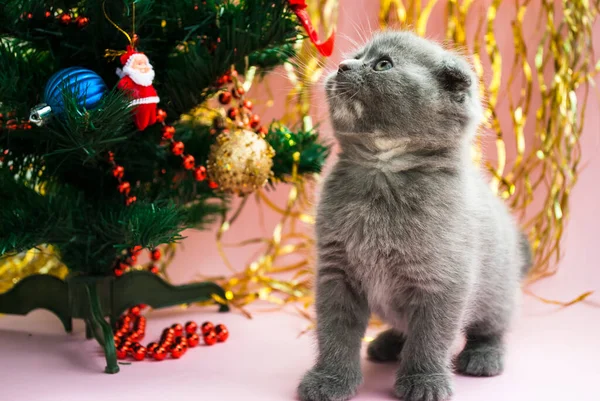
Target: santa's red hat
[127, 58]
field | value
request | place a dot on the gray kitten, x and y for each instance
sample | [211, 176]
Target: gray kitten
[408, 228]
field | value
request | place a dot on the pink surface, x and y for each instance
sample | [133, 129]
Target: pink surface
[553, 353]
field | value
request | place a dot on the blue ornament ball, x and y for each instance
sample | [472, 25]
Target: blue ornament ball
[84, 84]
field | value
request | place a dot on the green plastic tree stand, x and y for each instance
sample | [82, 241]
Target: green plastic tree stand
[94, 298]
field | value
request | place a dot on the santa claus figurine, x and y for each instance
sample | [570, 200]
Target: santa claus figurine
[136, 80]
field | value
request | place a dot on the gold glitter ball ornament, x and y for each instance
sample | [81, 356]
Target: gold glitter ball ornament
[240, 162]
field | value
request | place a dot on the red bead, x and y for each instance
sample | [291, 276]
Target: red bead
[121, 353]
[200, 173]
[222, 333]
[213, 185]
[134, 337]
[178, 329]
[139, 353]
[134, 310]
[125, 320]
[255, 120]
[237, 92]
[188, 162]
[207, 327]
[168, 132]
[159, 354]
[176, 352]
[130, 200]
[123, 265]
[232, 113]
[262, 131]
[248, 104]
[64, 18]
[118, 272]
[118, 171]
[151, 348]
[222, 81]
[82, 21]
[124, 187]
[225, 98]
[210, 338]
[161, 115]
[154, 269]
[126, 344]
[155, 254]
[168, 332]
[193, 340]
[136, 250]
[177, 148]
[48, 14]
[191, 327]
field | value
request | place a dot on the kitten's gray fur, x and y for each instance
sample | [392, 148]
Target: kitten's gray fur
[408, 228]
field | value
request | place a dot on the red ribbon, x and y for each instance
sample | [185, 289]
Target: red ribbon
[299, 8]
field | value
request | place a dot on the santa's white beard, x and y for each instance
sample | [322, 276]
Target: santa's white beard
[140, 78]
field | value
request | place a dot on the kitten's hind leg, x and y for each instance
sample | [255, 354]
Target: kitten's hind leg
[483, 354]
[386, 347]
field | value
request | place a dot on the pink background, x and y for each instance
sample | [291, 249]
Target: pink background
[553, 352]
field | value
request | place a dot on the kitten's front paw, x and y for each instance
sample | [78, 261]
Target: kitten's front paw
[329, 385]
[424, 387]
[481, 360]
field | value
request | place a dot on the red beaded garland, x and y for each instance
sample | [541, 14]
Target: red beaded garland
[221, 332]
[64, 18]
[176, 352]
[118, 172]
[238, 92]
[177, 329]
[191, 327]
[139, 353]
[168, 132]
[193, 340]
[200, 173]
[135, 310]
[188, 162]
[225, 98]
[82, 21]
[161, 116]
[177, 148]
[124, 187]
[206, 328]
[159, 354]
[121, 353]
[254, 120]
[232, 113]
[210, 338]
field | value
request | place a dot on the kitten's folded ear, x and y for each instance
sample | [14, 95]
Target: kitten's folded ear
[452, 75]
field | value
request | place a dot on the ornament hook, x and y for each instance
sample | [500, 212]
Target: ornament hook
[40, 114]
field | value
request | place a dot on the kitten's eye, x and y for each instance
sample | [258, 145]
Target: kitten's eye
[383, 65]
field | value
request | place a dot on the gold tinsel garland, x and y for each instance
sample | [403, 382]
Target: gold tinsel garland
[546, 167]
[266, 278]
[40, 260]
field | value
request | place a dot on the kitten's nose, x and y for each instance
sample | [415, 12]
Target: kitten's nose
[348, 65]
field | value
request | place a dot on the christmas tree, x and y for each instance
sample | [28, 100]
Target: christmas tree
[107, 144]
